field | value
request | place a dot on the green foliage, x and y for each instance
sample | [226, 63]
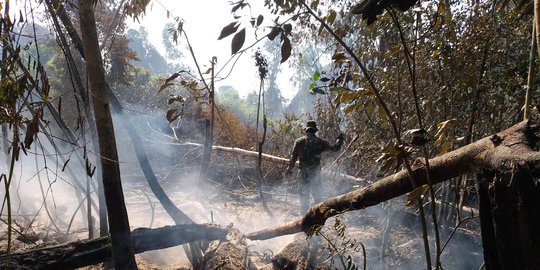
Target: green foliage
[283, 132]
[149, 57]
[229, 97]
[340, 245]
[470, 66]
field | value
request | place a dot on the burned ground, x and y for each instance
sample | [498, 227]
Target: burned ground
[390, 232]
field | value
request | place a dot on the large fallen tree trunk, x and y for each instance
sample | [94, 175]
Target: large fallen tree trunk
[500, 151]
[89, 252]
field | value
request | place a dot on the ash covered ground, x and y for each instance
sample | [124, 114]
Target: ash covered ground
[390, 232]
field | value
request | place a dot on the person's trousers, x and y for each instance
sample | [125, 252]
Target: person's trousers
[309, 184]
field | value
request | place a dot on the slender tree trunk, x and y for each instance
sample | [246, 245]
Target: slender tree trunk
[530, 77]
[4, 30]
[122, 249]
[56, 10]
[536, 22]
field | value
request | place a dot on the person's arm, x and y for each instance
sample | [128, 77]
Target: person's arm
[337, 145]
[294, 156]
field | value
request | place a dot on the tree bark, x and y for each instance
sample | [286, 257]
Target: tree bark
[122, 249]
[500, 151]
[89, 252]
[510, 218]
[294, 256]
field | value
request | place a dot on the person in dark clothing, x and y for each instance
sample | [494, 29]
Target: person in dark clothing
[309, 149]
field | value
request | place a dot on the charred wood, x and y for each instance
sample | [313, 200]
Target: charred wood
[300, 254]
[510, 218]
[294, 256]
[228, 254]
[89, 252]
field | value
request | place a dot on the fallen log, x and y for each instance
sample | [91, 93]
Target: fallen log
[300, 254]
[230, 253]
[500, 151]
[271, 158]
[89, 252]
[294, 256]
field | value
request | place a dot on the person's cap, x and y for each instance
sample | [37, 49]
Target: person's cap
[311, 126]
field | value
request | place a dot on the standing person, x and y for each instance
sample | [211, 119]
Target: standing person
[309, 149]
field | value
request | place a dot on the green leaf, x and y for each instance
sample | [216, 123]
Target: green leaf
[445, 147]
[228, 30]
[441, 136]
[338, 88]
[285, 49]
[435, 54]
[381, 111]
[318, 90]
[238, 41]
[439, 19]
[312, 85]
[321, 28]
[316, 75]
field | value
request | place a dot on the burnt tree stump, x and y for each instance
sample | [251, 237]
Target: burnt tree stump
[510, 218]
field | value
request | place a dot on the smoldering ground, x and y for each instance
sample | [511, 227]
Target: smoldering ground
[390, 232]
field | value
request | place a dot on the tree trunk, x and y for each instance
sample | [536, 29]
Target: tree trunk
[89, 252]
[194, 251]
[122, 249]
[510, 218]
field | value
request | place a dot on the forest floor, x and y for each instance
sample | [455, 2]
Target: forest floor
[390, 232]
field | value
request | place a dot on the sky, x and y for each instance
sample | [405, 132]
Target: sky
[203, 21]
